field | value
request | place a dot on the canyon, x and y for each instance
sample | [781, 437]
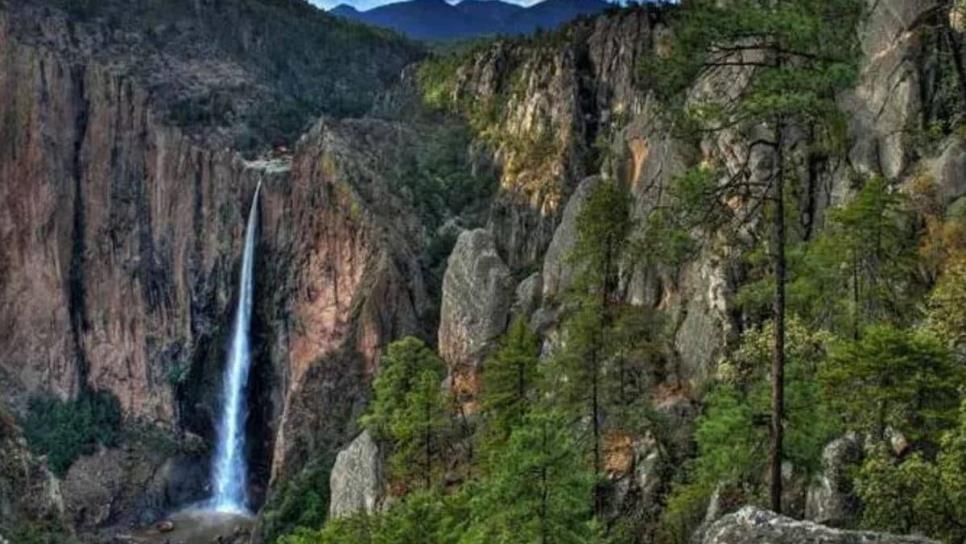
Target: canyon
[122, 224]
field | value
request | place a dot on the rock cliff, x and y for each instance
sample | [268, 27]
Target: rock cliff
[120, 233]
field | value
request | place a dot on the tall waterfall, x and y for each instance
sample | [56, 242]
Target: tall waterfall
[230, 468]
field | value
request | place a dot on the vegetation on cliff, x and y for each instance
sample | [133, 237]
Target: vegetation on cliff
[257, 71]
[63, 431]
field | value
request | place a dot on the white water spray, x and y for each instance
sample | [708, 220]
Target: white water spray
[230, 468]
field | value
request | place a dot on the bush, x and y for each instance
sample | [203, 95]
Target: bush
[63, 431]
[40, 533]
[302, 502]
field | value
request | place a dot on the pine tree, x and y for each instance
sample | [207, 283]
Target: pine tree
[410, 409]
[907, 378]
[509, 380]
[539, 490]
[603, 228]
[860, 270]
[790, 58]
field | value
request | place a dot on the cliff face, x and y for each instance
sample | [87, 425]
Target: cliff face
[541, 106]
[120, 233]
[120, 242]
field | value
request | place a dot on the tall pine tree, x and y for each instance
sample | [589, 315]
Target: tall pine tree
[789, 58]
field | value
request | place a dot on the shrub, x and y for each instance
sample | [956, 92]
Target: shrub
[63, 431]
[302, 502]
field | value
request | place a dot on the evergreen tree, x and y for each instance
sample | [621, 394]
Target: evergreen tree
[790, 59]
[947, 303]
[509, 380]
[907, 379]
[916, 495]
[603, 227]
[731, 434]
[410, 409]
[862, 264]
[539, 490]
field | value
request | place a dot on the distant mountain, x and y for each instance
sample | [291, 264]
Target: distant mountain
[439, 20]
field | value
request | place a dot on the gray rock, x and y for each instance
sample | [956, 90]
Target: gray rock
[477, 294]
[831, 499]
[527, 297]
[356, 481]
[753, 525]
[558, 273]
[887, 100]
[949, 171]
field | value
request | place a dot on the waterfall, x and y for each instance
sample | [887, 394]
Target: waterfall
[230, 469]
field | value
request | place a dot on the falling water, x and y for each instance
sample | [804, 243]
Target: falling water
[229, 463]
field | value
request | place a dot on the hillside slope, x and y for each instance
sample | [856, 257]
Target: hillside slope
[248, 74]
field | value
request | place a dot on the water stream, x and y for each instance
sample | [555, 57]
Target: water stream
[229, 466]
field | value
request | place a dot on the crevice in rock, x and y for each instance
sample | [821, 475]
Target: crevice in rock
[77, 307]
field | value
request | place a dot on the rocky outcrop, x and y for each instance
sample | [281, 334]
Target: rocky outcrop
[949, 171]
[347, 250]
[559, 272]
[751, 524]
[356, 484]
[477, 295]
[831, 500]
[545, 107]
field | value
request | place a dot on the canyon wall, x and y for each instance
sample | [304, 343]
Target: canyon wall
[120, 238]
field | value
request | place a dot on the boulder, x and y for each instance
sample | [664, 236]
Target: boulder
[475, 309]
[751, 525]
[831, 499]
[92, 486]
[477, 294]
[356, 480]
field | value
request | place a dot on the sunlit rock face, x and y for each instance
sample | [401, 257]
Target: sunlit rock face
[350, 280]
[551, 104]
[118, 234]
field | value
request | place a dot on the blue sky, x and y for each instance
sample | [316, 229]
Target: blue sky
[367, 4]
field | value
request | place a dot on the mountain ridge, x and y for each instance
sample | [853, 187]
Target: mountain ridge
[439, 20]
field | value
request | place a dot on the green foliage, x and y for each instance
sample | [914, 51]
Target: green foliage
[799, 55]
[441, 184]
[732, 435]
[509, 383]
[419, 518]
[40, 533]
[860, 270]
[916, 495]
[296, 62]
[603, 227]
[907, 379]
[948, 300]
[301, 502]
[409, 408]
[63, 431]
[539, 491]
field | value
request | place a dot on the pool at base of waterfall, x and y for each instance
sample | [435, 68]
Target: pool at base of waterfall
[196, 526]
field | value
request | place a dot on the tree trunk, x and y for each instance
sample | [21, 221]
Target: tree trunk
[778, 356]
